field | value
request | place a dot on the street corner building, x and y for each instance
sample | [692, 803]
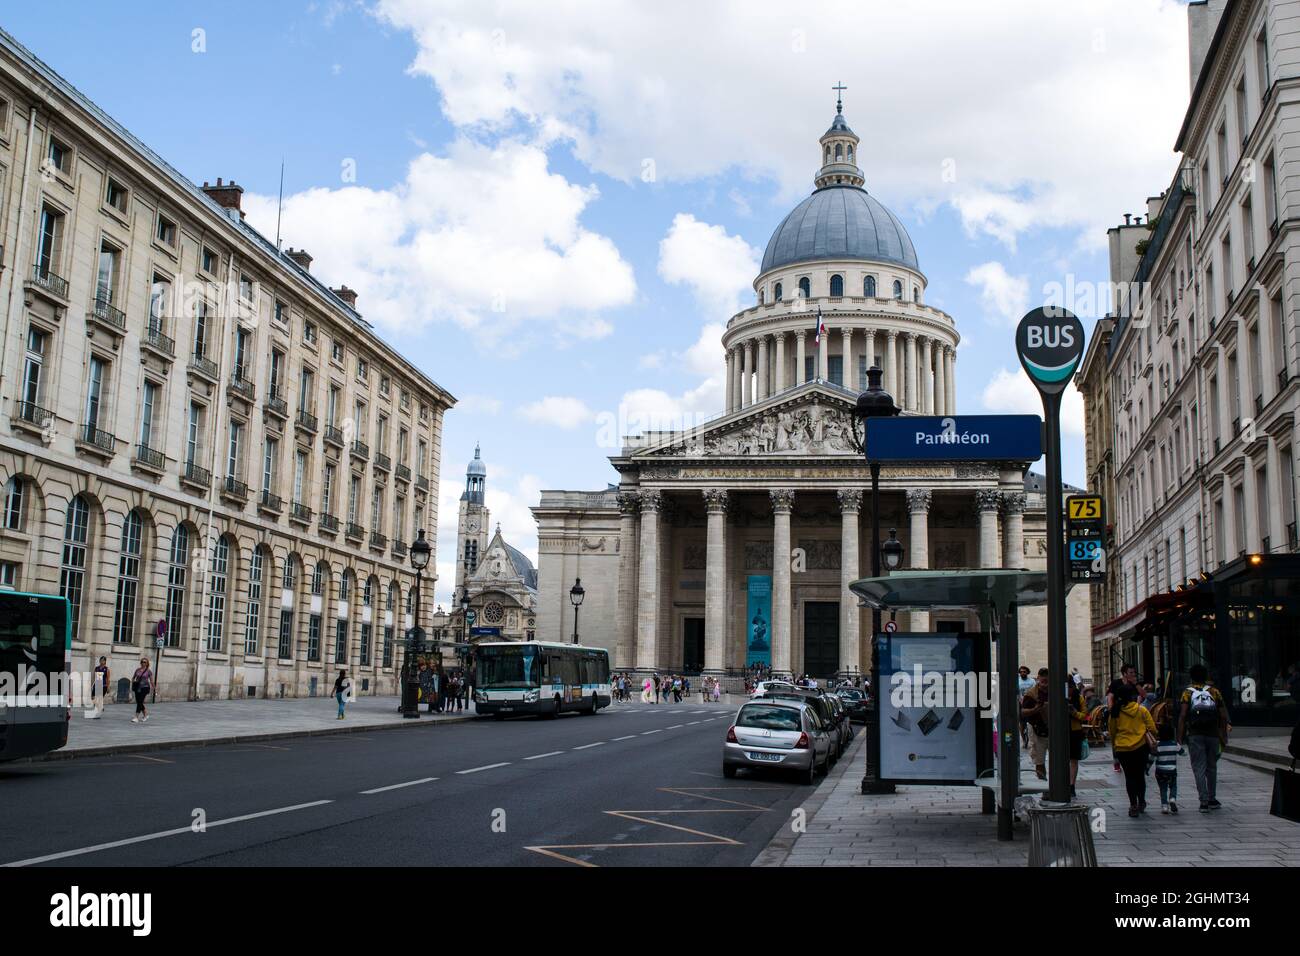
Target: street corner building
[734, 542]
[208, 451]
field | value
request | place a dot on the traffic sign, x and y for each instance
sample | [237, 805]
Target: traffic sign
[955, 438]
[891, 627]
[1085, 536]
[1049, 343]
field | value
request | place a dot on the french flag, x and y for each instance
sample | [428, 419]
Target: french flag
[821, 328]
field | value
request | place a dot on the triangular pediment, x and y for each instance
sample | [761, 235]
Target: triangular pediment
[812, 419]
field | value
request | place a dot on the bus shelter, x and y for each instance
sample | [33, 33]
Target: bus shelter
[996, 595]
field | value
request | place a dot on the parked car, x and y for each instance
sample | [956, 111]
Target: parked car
[855, 702]
[777, 734]
[763, 686]
[819, 701]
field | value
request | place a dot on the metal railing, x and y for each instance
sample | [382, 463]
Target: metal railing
[383, 462]
[196, 475]
[307, 420]
[329, 523]
[355, 531]
[240, 385]
[154, 338]
[422, 483]
[275, 403]
[149, 456]
[399, 549]
[270, 502]
[300, 512]
[34, 414]
[360, 449]
[334, 435]
[403, 473]
[92, 435]
[234, 487]
[51, 283]
[204, 366]
[378, 541]
[105, 312]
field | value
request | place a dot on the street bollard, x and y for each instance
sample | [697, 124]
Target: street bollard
[1059, 835]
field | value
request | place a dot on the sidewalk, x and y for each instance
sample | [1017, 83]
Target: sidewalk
[943, 826]
[196, 723]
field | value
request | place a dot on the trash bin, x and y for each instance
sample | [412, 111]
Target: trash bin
[1060, 835]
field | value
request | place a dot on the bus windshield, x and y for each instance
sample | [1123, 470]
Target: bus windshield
[509, 666]
[33, 632]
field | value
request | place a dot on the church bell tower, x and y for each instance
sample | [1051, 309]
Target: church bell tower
[472, 523]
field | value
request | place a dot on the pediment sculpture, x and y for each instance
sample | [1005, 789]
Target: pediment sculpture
[812, 429]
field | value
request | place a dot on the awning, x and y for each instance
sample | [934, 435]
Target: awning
[953, 590]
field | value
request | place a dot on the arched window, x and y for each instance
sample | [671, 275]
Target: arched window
[839, 151]
[828, 154]
[341, 626]
[128, 579]
[805, 288]
[217, 580]
[288, 584]
[394, 600]
[366, 622]
[916, 293]
[253, 617]
[14, 510]
[869, 287]
[898, 290]
[777, 294]
[176, 574]
[76, 536]
[849, 152]
[761, 294]
[319, 575]
[837, 286]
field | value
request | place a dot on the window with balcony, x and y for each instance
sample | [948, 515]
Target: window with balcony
[33, 392]
[270, 456]
[327, 490]
[96, 416]
[49, 246]
[194, 433]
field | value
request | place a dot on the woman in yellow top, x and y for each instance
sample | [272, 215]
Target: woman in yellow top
[1132, 738]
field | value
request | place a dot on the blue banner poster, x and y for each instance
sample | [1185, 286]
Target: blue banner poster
[758, 629]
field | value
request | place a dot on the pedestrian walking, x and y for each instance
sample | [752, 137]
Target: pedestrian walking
[98, 689]
[647, 689]
[1132, 737]
[1167, 753]
[141, 684]
[470, 682]
[1023, 684]
[659, 688]
[1034, 708]
[1203, 730]
[342, 689]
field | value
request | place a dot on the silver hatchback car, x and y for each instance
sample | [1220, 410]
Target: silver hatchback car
[777, 735]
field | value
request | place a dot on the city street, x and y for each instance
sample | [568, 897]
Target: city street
[634, 785]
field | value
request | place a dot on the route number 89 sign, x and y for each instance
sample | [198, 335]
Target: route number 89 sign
[1085, 536]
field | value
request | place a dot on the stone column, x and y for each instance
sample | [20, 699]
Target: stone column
[918, 509]
[950, 378]
[1013, 529]
[780, 360]
[800, 356]
[715, 581]
[891, 366]
[848, 376]
[925, 384]
[850, 616]
[987, 502]
[731, 379]
[870, 354]
[647, 611]
[909, 373]
[747, 376]
[782, 505]
[625, 618]
[940, 393]
[823, 354]
[762, 368]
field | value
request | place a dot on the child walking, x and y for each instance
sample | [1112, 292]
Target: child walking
[1167, 751]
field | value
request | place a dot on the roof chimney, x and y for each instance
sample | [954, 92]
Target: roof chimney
[300, 258]
[226, 195]
[1128, 216]
[347, 295]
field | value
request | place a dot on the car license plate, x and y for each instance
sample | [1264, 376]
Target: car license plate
[753, 755]
[506, 708]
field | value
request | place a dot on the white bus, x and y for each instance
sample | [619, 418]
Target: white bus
[534, 677]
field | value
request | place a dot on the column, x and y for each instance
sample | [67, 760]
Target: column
[735, 378]
[924, 383]
[909, 373]
[850, 616]
[823, 355]
[647, 607]
[731, 382]
[625, 620]
[918, 509]
[762, 369]
[746, 376]
[800, 356]
[891, 366]
[782, 505]
[848, 380]
[715, 581]
[870, 354]
[1013, 529]
[780, 360]
[950, 378]
[940, 393]
[987, 502]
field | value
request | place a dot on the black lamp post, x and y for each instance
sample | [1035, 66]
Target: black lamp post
[464, 616]
[875, 402]
[419, 552]
[891, 552]
[576, 594]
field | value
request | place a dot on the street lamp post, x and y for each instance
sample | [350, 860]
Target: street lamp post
[576, 594]
[875, 402]
[419, 552]
[464, 616]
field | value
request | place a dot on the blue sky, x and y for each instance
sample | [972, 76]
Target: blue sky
[503, 227]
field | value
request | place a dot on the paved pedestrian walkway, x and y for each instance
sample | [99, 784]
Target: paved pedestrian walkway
[180, 723]
[943, 826]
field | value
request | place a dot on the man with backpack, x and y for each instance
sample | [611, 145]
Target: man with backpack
[1203, 729]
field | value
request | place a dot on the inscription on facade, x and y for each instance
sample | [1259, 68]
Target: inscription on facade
[758, 556]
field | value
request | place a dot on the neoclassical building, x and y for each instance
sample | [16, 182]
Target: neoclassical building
[200, 441]
[758, 520]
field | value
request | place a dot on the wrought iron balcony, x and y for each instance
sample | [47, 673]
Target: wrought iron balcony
[403, 473]
[307, 421]
[106, 314]
[200, 364]
[98, 438]
[355, 531]
[270, 502]
[150, 457]
[383, 462]
[378, 541]
[232, 487]
[422, 483]
[399, 549]
[240, 385]
[300, 512]
[44, 279]
[329, 523]
[334, 435]
[32, 414]
[196, 475]
[276, 405]
[361, 450]
[153, 338]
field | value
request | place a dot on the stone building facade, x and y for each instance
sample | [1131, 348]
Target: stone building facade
[198, 439]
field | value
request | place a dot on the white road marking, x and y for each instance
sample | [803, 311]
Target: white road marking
[598, 743]
[694, 722]
[647, 733]
[675, 727]
[164, 833]
[628, 737]
[399, 786]
[549, 753]
[491, 766]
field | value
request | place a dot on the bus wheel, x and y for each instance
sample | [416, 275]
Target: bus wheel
[595, 705]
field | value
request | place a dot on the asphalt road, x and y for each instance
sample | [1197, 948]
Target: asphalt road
[634, 785]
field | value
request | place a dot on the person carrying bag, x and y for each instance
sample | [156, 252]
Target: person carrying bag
[1286, 784]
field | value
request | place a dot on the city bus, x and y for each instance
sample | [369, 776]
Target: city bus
[35, 654]
[534, 677]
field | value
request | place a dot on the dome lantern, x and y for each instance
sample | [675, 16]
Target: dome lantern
[839, 150]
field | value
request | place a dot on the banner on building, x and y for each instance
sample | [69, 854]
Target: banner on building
[758, 640]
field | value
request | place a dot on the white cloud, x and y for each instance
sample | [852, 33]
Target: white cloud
[1005, 297]
[1012, 393]
[561, 411]
[488, 237]
[718, 268]
[652, 82]
[479, 404]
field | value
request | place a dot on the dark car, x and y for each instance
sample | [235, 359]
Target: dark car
[835, 718]
[855, 702]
